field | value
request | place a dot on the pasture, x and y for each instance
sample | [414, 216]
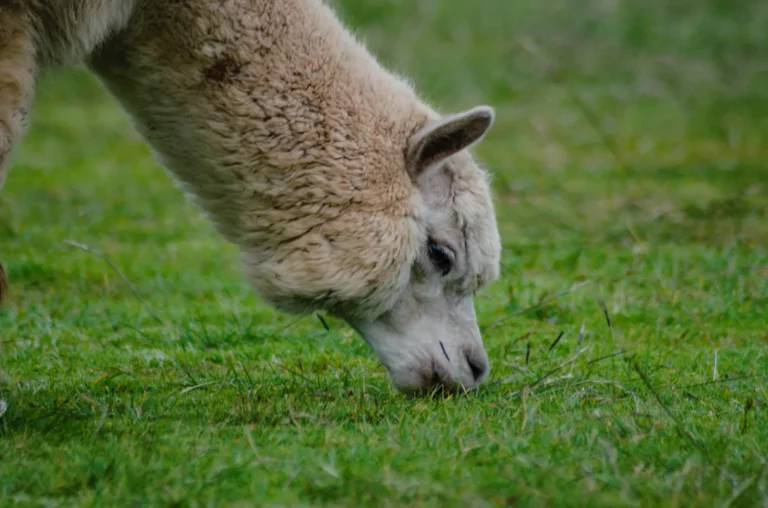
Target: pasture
[628, 334]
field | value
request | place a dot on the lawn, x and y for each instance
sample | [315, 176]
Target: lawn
[628, 334]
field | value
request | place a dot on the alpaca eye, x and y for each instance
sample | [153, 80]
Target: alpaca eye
[441, 257]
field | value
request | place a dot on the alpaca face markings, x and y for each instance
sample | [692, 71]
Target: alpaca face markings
[430, 336]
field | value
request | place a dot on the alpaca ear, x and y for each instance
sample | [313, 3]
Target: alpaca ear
[442, 138]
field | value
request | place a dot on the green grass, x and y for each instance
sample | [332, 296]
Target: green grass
[629, 158]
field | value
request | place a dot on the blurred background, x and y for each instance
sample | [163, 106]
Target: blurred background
[607, 105]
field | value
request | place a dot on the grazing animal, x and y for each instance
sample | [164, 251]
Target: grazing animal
[343, 190]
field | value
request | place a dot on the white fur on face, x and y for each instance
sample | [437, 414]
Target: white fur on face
[431, 336]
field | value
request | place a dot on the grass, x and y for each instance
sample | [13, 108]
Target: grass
[629, 158]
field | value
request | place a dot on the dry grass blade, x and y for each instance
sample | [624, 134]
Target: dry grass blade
[559, 336]
[554, 380]
[552, 299]
[541, 379]
[749, 405]
[522, 337]
[444, 351]
[558, 368]
[605, 357]
[665, 408]
[708, 383]
[118, 272]
[603, 308]
[541, 303]
[197, 386]
[322, 320]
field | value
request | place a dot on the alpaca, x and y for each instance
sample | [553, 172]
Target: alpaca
[344, 191]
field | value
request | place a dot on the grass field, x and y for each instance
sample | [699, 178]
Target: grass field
[629, 154]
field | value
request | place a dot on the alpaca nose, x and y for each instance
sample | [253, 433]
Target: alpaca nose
[478, 366]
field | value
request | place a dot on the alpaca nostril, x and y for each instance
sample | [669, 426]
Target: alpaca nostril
[479, 368]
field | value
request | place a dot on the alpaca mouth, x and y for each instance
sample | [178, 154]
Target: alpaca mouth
[425, 351]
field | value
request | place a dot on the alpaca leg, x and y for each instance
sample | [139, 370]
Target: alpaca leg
[17, 80]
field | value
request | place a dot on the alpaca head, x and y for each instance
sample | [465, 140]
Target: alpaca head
[429, 335]
[399, 263]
